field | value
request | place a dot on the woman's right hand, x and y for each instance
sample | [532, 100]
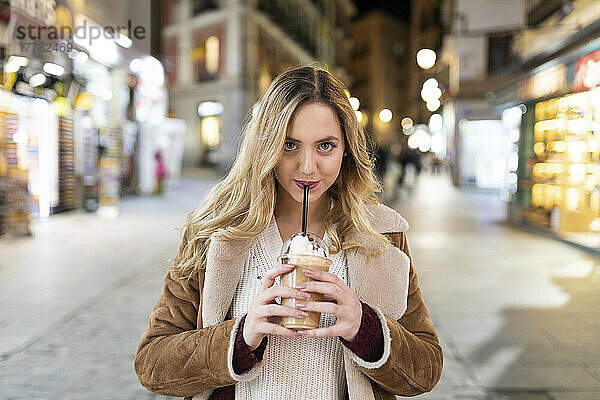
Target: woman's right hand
[257, 324]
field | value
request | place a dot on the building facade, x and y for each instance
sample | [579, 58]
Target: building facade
[380, 72]
[220, 56]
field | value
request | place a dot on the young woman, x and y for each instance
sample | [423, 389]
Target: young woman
[214, 334]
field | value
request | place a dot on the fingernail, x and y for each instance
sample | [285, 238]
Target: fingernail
[301, 333]
[288, 266]
[308, 271]
[301, 314]
[300, 304]
[302, 285]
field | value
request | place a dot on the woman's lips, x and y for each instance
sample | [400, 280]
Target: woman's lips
[301, 184]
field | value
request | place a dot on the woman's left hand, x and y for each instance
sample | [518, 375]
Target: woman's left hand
[345, 306]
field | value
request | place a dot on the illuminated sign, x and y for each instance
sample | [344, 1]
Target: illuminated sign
[587, 73]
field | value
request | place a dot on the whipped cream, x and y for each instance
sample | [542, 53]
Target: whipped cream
[301, 245]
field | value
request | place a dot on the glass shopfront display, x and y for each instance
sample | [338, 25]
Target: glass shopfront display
[14, 201]
[66, 163]
[565, 167]
[30, 152]
[109, 170]
[482, 153]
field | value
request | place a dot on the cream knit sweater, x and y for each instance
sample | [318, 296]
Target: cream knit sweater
[293, 368]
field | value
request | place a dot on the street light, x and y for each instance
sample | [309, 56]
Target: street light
[81, 57]
[37, 80]
[426, 58]
[407, 123]
[431, 90]
[385, 115]
[435, 122]
[15, 63]
[210, 108]
[431, 82]
[359, 116]
[54, 69]
[433, 104]
[135, 65]
[430, 93]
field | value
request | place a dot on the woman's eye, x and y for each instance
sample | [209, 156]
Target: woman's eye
[286, 147]
[329, 146]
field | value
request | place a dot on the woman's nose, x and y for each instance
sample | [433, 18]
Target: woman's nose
[307, 163]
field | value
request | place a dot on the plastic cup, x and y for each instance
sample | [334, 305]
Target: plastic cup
[295, 278]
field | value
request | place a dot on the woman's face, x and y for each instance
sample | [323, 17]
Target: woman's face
[312, 152]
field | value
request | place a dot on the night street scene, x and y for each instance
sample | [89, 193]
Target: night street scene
[300, 199]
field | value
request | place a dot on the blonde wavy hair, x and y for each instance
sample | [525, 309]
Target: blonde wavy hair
[241, 204]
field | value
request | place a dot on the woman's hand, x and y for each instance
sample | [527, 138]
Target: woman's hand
[257, 324]
[345, 306]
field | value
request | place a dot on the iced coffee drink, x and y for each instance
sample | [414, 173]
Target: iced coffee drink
[303, 251]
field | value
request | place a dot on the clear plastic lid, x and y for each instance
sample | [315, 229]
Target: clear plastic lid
[304, 244]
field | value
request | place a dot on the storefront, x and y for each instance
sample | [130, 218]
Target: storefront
[14, 193]
[99, 155]
[475, 144]
[121, 110]
[36, 147]
[556, 182]
[36, 129]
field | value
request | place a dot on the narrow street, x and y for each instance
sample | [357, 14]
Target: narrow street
[516, 313]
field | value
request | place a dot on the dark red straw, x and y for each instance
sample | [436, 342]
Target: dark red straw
[305, 208]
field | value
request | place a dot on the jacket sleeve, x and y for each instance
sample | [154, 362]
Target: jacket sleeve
[173, 357]
[415, 359]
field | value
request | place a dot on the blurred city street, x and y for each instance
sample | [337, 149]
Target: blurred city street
[481, 119]
[516, 313]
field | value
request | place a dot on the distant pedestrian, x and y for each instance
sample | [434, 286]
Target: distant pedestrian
[161, 172]
[411, 164]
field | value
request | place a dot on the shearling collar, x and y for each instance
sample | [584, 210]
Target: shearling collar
[386, 220]
[380, 281]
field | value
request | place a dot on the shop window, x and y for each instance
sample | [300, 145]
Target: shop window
[565, 169]
[200, 6]
[211, 131]
[206, 56]
[482, 153]
[212, 55]
[500, 55]
[210, 138]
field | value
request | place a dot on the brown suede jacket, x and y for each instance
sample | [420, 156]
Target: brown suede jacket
[177, 357]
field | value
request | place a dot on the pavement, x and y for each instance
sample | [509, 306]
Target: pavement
[516, 313]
